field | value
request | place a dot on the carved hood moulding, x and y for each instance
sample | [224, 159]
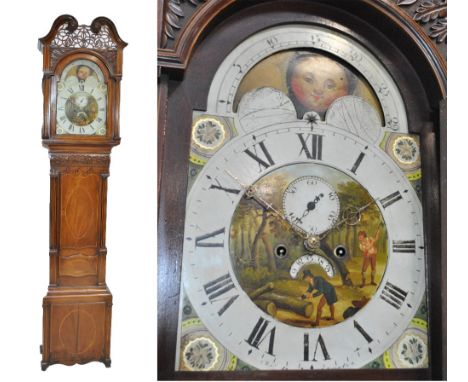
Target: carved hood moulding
[180, 31]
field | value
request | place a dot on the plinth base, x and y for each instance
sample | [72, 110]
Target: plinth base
[76, 326]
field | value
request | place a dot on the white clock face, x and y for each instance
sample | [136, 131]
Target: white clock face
[227, 300]
[312, 204]
[81, 100]
[303, 241]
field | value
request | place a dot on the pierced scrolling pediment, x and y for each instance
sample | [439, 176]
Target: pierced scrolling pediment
[67, 35]
[84, 37]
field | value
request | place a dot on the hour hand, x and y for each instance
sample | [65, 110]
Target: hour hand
[251, 193]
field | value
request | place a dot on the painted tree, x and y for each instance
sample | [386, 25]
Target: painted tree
[352, 195]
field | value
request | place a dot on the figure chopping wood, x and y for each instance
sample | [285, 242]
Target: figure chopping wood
[368, 246]
[321, 287]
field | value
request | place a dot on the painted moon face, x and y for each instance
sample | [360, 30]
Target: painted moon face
[317, 81]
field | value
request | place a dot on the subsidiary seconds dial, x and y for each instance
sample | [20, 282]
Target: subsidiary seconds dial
[310, 203]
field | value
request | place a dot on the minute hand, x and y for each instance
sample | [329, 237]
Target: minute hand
[251, 192]
[348, 219]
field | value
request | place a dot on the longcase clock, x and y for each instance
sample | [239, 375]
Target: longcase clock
[81, 87]
[301, 190]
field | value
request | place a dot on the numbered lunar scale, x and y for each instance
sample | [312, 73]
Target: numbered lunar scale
[81, 87]
[303, 242]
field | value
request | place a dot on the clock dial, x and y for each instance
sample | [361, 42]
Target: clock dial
[81, 100]
[298, 308]
[303, 241]
[312, 204]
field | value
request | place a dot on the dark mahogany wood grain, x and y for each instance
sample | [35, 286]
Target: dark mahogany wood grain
[443, 207]
[387, 11]
[162, 122]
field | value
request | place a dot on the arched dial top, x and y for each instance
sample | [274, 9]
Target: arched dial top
[81, 99]
[254, 49]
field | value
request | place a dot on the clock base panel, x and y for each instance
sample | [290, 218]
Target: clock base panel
[76, 326]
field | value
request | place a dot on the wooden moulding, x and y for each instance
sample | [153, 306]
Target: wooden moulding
[206, 15]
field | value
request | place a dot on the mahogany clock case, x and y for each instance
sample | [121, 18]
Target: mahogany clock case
[78, 305]
[131, 259]
[420, 74]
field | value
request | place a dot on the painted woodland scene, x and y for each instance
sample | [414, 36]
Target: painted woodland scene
[293, 283]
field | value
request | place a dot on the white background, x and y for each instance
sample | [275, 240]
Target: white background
[131, 228]
[24, 190]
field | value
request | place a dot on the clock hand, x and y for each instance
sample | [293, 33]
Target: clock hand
[349, 218]
[311, 206]
[251, 192]
[358, 212]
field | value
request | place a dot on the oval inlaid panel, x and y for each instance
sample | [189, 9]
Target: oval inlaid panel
[80, 209]
[80, 204]
[73, 323]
